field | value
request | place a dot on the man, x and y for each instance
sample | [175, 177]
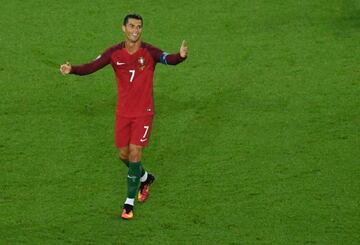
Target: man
[133, 62]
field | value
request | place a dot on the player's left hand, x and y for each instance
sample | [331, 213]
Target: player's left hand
[183, 49]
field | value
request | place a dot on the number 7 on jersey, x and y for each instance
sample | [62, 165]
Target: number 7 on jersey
[132, 75]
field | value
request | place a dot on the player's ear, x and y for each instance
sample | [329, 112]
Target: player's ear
[123, 28]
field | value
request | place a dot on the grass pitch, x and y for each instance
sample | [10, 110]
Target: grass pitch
[255, 140]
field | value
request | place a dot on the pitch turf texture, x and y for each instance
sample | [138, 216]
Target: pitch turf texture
[255, 141]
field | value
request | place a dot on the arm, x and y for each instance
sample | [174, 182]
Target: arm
[174, 59]
[168, 59]
[171, 59]
[88, 68]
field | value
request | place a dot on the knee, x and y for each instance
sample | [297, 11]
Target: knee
[135, 154]
[134, 157]
[124, 155]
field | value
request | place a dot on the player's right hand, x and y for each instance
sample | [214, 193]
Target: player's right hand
[65, 68]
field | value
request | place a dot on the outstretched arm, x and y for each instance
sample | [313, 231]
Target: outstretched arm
[88, 68]
[174, 59]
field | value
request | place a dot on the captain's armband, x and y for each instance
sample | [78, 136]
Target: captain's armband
[163, 58]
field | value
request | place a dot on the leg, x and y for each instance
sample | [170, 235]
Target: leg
[140, 134]
[124, 155]
[133, 180]
[140, 131]
[134, 172]
[135, 153]
[146, 178]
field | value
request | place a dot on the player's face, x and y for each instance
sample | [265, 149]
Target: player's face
[132, 30]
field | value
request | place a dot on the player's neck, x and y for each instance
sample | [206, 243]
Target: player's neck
[132, 47]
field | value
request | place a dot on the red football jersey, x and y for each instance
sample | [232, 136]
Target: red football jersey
[134, 75]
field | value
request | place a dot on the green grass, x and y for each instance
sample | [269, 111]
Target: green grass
[256, 136]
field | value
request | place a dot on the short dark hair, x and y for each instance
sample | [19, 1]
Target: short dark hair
[132, 16]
